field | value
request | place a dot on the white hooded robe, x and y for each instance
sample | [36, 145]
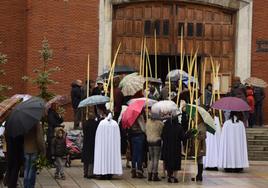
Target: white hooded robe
[107, 157]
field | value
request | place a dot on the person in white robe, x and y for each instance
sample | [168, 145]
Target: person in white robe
[213, 144]
[233, 153]
[107, 157]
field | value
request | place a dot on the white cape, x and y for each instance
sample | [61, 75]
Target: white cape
[107, 157]
[233, 146]
[213, 145]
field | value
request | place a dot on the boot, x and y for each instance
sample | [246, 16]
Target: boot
[150, 176]
[133, 173]
[140, 174]
[155, 177]
[199, 176]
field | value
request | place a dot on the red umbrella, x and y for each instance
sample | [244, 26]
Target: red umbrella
[232, 104]
[132, 113]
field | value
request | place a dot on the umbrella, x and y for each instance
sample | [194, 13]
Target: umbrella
[94, 100]
[60, 99]
[257, 82]
[175, 75]
[24, 116]
[131, 84]
[164, 109]
[208, 120]
[7, 104]
[24, 97]
[151, 102]
[132, 113]
[119, 69]
[231, 103]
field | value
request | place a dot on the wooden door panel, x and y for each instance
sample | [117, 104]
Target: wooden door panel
[156, 12]
[208, 31]
[138, 13]
[198, 15]
[129, 27]
[217, 31]
[216, 48]
[148, 12]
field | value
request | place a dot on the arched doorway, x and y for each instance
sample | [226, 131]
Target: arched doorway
[210, 29]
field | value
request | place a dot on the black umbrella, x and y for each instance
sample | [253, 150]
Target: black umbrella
[119, 69]
[24, 116]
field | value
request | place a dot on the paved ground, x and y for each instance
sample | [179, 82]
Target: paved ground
[255, 176]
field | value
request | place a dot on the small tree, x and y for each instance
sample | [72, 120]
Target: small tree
[43, 79]
[3, 88]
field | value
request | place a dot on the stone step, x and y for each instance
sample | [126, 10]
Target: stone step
[257, 137]
[259, 153]
[257, 148]
[258, 142]
[257, 158]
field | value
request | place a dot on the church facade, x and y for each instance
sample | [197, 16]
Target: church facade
[233, 32]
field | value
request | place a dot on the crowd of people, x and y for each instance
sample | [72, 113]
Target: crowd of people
[105, 140]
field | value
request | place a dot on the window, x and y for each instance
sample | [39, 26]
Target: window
[157, 27]
[199, 29]
[147, 27]
[190, 29]
[180, 28]
[166, 27]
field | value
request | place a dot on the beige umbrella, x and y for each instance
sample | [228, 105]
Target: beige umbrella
[131, 84]
[257, 82]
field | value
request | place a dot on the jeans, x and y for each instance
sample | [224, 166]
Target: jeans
[59, 165]
[155, 153]
[137, 142]
[29, 170]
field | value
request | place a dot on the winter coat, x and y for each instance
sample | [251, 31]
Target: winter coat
[172, 136]
[259, 94]
[89, 132]
[138, 127]
[76, 95]
[154, 131]
[58, 147]
[238, 90]
[34, 140]
[208, 95]
[118, 100]
[54, 120]
[250, 100]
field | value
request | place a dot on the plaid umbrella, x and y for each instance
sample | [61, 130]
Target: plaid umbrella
[7, 104]
[165, 109]
[151, 102]
[60, 99]
[257, 82]
[131, 84]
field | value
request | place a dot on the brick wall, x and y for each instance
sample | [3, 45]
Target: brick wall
[260, 59]
[13, 43]
[71, 28]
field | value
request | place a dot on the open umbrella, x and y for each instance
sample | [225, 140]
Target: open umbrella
[155, 80]
[257, 82]
[208, 120]
[131, 84]
[132, 113]
[165, 109]
[151, 102]
[231, 103]
[7, 104]
[60, 99]
[24, 116]
[176, 74]
[93, 100]
[24, 97]
[119, 69]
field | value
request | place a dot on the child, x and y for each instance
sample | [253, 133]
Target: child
[58, 151]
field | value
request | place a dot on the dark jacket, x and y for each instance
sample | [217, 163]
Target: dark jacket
[58, 147]
[54, 120]
[76, 95]
[89, 132]
[238, 90]
[259, 94]
[172, 136]
[97, 91]
[118, 100]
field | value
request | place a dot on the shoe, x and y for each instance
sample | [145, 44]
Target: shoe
[140, 175]
[198, 178]
[133, 173]
[56, 176]
[169, 180]
[175, 180]
[163, 176]
[155, 177]
[150, 176]
[62, 176]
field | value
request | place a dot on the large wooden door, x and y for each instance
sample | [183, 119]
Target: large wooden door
[210, 29]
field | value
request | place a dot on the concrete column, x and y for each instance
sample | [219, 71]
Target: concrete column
[243, 42]
[105, 35]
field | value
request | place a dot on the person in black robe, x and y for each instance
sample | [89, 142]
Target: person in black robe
[172, 136]
[89, 130]
[54, 120]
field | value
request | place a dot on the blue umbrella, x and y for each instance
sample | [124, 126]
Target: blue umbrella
[25, 116]
[93, 100]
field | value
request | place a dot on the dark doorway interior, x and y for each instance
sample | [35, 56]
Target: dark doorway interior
[162, 65]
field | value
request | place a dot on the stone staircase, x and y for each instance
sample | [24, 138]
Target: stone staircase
[257, 144]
